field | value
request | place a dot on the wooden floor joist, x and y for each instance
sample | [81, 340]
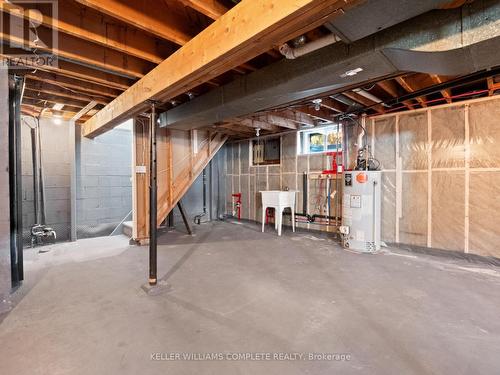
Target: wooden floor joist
[78, 50]
[96, 28]
[244, 32]
[75, 86]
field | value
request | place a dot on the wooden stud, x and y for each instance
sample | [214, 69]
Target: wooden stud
[98, 29]
[233, 40]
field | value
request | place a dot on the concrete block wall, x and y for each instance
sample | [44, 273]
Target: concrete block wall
[103, 186]
[56, 167]
[103, 180]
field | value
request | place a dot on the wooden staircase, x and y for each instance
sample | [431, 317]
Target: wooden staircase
[181, 157]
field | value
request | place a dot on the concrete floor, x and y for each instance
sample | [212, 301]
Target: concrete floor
[235, 290]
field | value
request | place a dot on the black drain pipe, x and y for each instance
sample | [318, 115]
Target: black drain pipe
[153, 187]
[304, 196]
[16, 85]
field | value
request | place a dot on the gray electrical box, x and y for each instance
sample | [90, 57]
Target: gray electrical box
[361, 212]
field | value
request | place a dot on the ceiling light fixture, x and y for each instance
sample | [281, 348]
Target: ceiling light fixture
[351, 73]
[317, 104]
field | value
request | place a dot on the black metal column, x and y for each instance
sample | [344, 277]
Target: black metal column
[184, 217]
[15, 180]
[152, 199]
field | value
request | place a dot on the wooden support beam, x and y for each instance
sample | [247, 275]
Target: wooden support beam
[228, 42]
[86, 74]
[227, 129]
[80, 51]
[409, 88]
[245, 128]
[41, 101]
[214, 9]
[155, 17]
[47, 112]
[74, 85]
[53, 100]
[277, 120]
[322, 114]
[73, 70]
[445, 93]
[77, 21]
[60, 92]
[333, 105]
[297, 118]
[379, 108]
[210, 8]
[391, 88]
[256, 123]
[77, 50]
[493, 86]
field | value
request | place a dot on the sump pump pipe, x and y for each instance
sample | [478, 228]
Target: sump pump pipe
[292, 53]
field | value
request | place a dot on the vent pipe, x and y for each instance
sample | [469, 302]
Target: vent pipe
[292, 53]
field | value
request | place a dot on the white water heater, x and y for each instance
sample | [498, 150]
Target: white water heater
[361, 212]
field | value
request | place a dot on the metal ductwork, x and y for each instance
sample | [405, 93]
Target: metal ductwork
[376, 15]
[445, 42]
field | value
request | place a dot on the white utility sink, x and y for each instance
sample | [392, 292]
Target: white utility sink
[279, 200]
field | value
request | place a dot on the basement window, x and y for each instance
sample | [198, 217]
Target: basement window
[319, 140]
[266, 151]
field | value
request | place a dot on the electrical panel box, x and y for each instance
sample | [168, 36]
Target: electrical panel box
[361, 211]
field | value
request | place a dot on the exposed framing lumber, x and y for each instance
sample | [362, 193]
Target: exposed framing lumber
[60, 92]
[322, 114]
[98, 29]
[379, 108]
[76, 86]
[150, 16]
[171, 187]
[76, 71]
[210, 8]
[445, 93]
[233, 40]
[226, 129]
[36, 110]
[86, 74]
[294, 118]
[245, 128]
[28, 99]
[256, 123]
[333, 105]
[409, 88]
[277, 120]
[492, 86]
[78, 50]
[390, 88]
[144, 15]
[214, 9]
